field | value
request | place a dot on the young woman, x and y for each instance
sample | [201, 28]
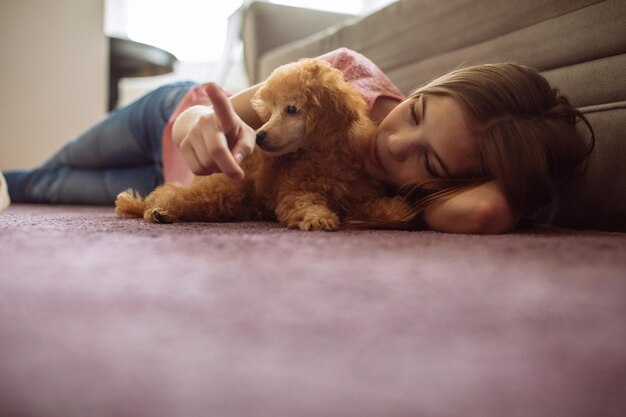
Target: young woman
[473, 151]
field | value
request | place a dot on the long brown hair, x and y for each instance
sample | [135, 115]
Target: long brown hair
[527, 131]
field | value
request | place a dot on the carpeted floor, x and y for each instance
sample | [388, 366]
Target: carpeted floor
[102, 316]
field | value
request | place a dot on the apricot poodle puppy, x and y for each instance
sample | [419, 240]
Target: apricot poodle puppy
[307, 171]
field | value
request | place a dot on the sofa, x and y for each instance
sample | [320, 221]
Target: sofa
[103, 316]
[578, 45]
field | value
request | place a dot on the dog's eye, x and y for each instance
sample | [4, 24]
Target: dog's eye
[291, 109]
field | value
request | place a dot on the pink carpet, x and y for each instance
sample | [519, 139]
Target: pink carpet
[109, 317]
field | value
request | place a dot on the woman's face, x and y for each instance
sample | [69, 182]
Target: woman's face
[424, 137]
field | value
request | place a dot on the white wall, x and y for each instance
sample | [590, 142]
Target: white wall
[53, 76]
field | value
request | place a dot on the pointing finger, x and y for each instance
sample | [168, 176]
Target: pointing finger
[222, 107]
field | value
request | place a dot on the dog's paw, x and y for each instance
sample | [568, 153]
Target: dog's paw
[158, 215]
[328, 222]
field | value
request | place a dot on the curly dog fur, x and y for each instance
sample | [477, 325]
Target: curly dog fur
[308, 171]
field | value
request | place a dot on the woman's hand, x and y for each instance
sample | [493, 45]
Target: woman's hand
[214, 138]
[482, 209]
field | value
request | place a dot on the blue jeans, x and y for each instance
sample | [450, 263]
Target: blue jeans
[124, 150]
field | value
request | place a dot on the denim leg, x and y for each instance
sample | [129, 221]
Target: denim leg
[65, 185]
[122, 151]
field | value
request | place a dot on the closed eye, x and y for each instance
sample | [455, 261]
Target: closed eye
[413, 113]
[428, 167]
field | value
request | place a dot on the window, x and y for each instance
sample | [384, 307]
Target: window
[193, 30]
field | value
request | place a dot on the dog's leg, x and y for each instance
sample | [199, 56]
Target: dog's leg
[214, 198]
[306, 211]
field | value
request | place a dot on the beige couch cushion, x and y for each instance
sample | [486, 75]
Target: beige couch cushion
[412, 40]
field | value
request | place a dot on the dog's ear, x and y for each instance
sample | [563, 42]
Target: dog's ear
[334, 105]
[346, 102]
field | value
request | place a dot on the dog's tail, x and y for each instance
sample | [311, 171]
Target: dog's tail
[129, 203]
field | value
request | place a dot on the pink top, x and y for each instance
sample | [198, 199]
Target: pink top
[358, 70]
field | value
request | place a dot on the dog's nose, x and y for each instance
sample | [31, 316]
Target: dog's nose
[260, 137]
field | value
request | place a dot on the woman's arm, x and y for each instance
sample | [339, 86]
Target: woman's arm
[481, 210]
[217, 138]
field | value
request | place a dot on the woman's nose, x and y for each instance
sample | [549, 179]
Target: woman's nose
[401, 145]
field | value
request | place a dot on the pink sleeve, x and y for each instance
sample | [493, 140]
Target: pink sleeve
[364, 75]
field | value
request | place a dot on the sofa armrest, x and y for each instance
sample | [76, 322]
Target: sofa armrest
[267, 25]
